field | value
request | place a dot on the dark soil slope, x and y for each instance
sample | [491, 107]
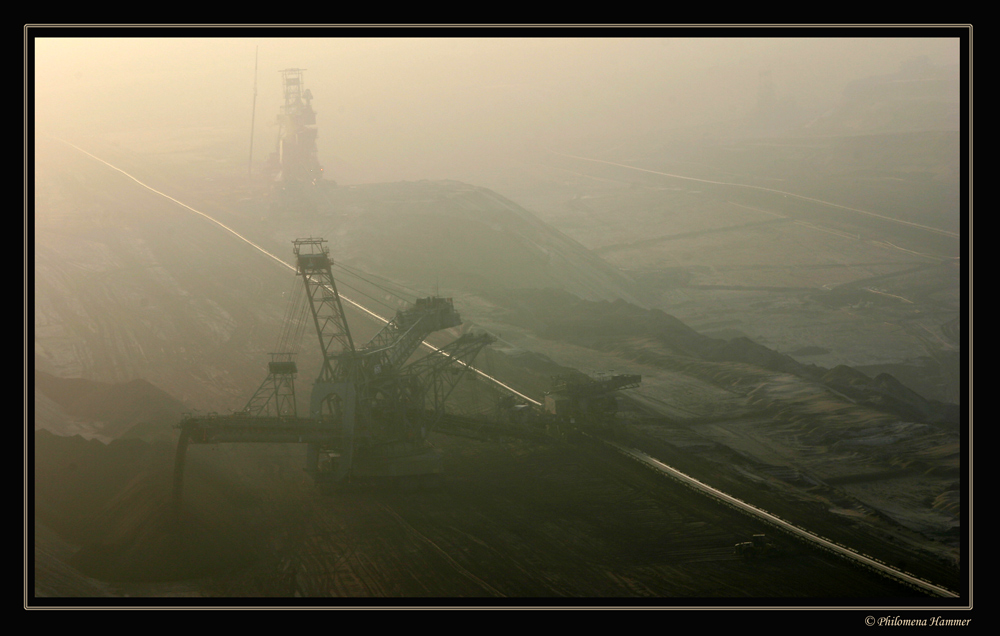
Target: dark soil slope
[134, 409]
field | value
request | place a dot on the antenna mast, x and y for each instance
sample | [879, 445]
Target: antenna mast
[253, 113]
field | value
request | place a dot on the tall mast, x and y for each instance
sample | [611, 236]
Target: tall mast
[253, 113]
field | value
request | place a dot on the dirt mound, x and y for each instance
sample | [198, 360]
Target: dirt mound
[888, 394]
[457, 235]
[559, 315]
[54, 577]
[74, 477]
[116, 502]
[143, 540]
[842, 376]
[135, 409]
[749, 352]
[655, 337]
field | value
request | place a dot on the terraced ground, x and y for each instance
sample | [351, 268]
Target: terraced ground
[129, 286]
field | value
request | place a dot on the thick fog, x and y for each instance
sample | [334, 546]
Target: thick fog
[412, 108]
[759, 241]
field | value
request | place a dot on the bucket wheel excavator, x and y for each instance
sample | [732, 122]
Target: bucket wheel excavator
[370, 408]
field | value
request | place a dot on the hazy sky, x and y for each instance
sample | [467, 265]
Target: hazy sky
[394, 108]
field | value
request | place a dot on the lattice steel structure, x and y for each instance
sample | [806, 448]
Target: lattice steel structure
[276, 394]
[297, 132]
[370, 408]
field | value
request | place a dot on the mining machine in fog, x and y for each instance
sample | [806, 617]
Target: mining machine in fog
[296, 154]
[294, 166]
[581, 399]
[371, 407]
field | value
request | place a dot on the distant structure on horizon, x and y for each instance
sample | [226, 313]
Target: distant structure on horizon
[295, 161]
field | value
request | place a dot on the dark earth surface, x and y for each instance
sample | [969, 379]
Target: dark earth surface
[131, 287]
